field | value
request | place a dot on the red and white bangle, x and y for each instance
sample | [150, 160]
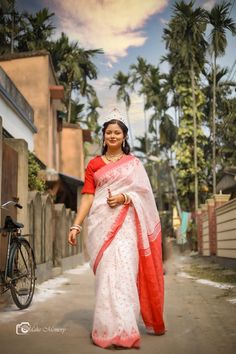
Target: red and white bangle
[126, 198]
[76, 227]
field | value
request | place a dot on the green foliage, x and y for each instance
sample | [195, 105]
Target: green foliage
[226, 132]
[23, 32]
[34, 182]
[184, 146]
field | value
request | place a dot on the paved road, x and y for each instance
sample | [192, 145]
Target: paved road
[199, 318]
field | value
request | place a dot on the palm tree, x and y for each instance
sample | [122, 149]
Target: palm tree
[93, 115]
[139, 73]
[12, 26]
[223, 87]
[156, 98]
[38, 30]
[122, 81]
[185, 40]
[74, 67]
[220, 21]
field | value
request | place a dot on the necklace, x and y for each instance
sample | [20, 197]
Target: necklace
[114, 158]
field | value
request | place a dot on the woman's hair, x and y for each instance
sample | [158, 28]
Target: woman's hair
[126, 148]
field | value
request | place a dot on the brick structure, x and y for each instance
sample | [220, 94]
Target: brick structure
[206, 224]
[199, 231]
[212, 225]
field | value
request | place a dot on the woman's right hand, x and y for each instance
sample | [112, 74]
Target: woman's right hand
[72, 237]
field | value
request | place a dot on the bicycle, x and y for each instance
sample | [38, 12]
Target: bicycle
[19, 272]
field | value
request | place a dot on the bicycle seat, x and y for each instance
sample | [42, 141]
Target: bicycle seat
[11, 224]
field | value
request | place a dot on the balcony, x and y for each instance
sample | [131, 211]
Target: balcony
[14, 95]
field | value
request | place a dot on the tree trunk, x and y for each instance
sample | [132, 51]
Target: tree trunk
[12, 31]
[214, 126]
[69, 106]
[130, 130]
[145, 127]
[195, 141]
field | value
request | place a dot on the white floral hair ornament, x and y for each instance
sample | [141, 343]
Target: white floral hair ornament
[116, 114]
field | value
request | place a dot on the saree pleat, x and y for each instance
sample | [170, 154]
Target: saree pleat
[117, 300]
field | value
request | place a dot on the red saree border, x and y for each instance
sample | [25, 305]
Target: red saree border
[115, 228]
[126, 340]
[110, 166]
[150, 281]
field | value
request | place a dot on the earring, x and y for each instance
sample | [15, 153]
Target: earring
[104, 144]
[123, 143]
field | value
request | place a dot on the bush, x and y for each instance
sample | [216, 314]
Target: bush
[34, 182]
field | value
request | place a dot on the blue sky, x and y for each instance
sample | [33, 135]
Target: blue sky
[125, 29]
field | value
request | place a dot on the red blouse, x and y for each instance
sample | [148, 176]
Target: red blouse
[93, 166]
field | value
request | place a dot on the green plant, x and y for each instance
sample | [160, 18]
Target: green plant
[34, 182]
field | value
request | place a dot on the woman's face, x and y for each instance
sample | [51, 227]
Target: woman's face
[113, 136]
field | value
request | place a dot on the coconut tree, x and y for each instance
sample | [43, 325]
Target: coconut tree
[122, 82]
[139, 73]
[38, 30]
[223, 87]
[74, 67]
[184, 38]
[12, 26]
[221, 22]
[93, 115]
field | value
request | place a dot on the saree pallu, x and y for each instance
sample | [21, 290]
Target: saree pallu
[124, 245]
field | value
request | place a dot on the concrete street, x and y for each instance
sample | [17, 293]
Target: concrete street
[199, 317]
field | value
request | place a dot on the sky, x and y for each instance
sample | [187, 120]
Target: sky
[124, 29]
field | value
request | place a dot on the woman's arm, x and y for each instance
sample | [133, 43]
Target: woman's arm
[85, 205]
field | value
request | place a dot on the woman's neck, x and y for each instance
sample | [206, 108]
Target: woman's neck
[114, 151]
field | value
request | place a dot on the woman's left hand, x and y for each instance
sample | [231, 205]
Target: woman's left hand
[115, 200]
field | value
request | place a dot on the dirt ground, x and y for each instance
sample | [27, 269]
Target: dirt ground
[200, 313]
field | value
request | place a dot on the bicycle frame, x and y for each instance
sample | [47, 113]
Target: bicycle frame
[4, 274]
[19, 273]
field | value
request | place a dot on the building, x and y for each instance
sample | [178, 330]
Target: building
[227, 183]
[59, 146]
[17, 130]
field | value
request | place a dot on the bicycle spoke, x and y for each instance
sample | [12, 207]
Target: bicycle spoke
[22, 274]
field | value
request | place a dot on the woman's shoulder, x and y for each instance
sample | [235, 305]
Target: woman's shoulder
[95, 163]
[135, 158]
[95, 158]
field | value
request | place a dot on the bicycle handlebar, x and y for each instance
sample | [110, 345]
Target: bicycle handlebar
[17, 205]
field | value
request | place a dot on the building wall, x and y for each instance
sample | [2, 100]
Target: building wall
[226, 229]
[71, 147]
[14, 124]
[32, 76]
[205, 236]
[1, 139]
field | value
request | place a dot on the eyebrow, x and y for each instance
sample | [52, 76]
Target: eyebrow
[109, 130]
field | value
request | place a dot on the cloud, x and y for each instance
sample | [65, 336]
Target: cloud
[164, 21]
[114, 25]
[208, 5]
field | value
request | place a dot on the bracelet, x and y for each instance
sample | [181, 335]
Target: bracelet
[76, 227]
[127, 199]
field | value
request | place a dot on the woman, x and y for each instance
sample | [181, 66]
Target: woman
[124, 241]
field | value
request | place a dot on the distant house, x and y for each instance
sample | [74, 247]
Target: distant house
[227, 184]
[59, 146]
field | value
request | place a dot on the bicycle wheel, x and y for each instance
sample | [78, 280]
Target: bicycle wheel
[21, 270]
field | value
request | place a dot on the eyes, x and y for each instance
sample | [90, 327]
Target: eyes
[116, 132]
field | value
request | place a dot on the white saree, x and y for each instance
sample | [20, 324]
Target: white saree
[124, 245]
